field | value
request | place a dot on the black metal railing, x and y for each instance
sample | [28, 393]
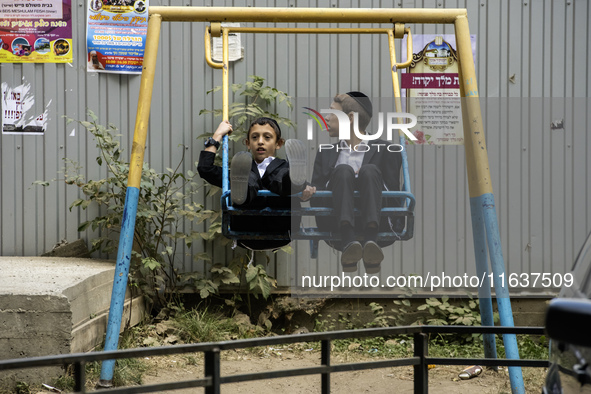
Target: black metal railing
[213, 378]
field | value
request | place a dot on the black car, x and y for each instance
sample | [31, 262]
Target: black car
[568, 324]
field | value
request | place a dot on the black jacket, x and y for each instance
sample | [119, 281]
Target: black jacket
[272, 180]
[388, 162]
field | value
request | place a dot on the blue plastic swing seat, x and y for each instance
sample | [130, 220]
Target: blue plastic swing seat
[314, 234]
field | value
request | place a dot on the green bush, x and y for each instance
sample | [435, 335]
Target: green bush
[166, 203]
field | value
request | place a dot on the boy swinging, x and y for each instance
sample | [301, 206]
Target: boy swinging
[256, 170]
[356, 165]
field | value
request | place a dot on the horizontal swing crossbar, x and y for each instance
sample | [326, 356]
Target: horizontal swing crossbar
[307, 15]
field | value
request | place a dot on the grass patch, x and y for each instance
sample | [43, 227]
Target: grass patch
[530, 347]
[127, 372]
[204, 326]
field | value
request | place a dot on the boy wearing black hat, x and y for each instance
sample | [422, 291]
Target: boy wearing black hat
[356, 164]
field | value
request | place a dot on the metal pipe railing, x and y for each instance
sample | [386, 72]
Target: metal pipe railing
[214, 379]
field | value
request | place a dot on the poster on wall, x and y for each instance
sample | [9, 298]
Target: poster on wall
[35, 31]
[116, 35]
[433, 90]
[235, 48]
[17, 105]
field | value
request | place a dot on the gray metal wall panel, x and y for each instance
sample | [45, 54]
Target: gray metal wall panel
[539, 176]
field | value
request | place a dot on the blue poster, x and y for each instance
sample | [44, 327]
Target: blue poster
[116, 35]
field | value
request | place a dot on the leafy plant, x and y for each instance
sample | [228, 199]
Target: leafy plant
[444, 313]
[22, 388]
[381, 319]
[464, 312]
[165, 203]
[251, 100]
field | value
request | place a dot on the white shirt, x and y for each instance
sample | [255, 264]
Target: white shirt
[353, 157]
[350, 156]
[262, 166]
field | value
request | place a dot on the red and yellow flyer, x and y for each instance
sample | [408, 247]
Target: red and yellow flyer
[35, 31]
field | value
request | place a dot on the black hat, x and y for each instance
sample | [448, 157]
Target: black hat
[270, 121]
[363, 100]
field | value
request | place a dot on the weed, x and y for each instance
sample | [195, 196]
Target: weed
[204, 326]
[22, 388]
[191, 360]
[129, 371]
[165, 203]
[65, 382]
[530, 347]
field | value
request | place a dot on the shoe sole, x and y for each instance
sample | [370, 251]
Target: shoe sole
[372, 257]
[239, 173]
[297, 155]
[350, 257]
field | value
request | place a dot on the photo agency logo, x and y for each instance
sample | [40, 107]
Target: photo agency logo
[393, 121]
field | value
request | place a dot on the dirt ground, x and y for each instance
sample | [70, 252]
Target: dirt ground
[442, 379]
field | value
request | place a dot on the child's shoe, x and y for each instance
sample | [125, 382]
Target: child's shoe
[372, 257]
[239, 174]
[351, 255]
[297, 156]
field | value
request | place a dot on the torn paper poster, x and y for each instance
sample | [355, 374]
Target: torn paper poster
[16, 111]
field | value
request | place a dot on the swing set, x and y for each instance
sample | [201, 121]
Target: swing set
[482, 206]
[314, 234]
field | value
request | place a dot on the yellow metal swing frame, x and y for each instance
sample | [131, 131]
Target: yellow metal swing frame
[484, 221]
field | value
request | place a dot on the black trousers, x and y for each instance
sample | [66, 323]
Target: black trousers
[369, 183]
[343, 183]
[279, 184]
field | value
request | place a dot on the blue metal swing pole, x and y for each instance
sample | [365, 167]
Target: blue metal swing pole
[484, 293]
[131, 198]
[480, 252]
[481, 196]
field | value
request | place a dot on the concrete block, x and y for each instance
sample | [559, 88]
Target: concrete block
[89, 334]
[51, 305]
